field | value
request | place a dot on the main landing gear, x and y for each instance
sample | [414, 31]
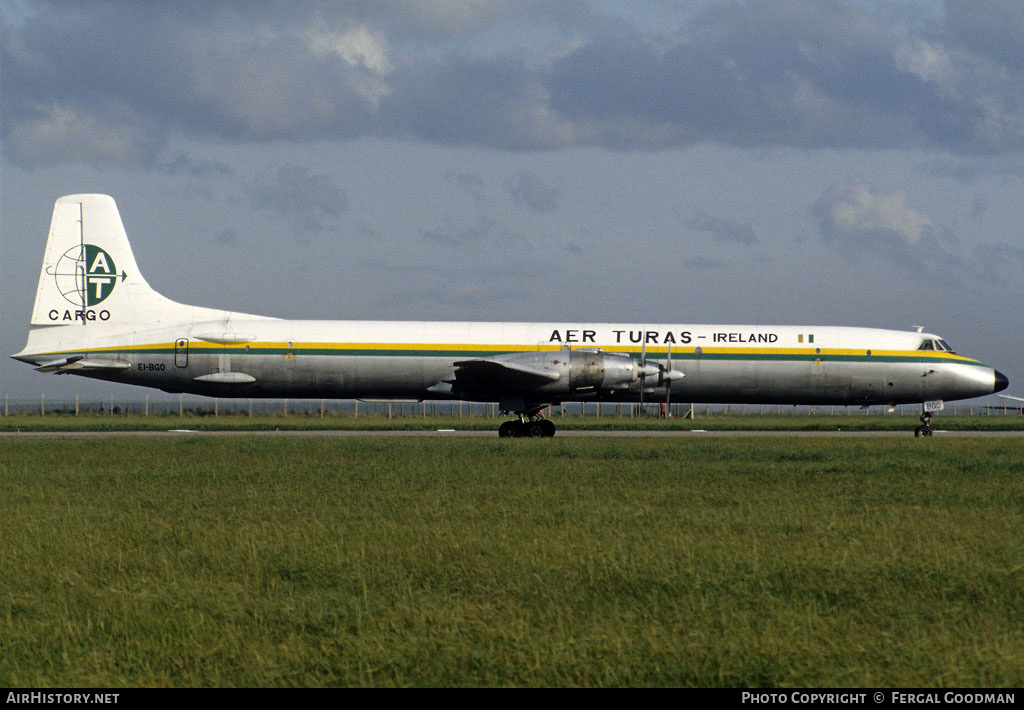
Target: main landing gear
[534, 429]
[529, 424]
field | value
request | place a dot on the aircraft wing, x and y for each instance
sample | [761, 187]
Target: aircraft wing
[79, 363]
[502, 373]
[512, 372]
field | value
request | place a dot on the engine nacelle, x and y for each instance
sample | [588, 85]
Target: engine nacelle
[546, 375]
[603, 372]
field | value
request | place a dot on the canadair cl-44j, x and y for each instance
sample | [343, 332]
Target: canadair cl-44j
[96, 316]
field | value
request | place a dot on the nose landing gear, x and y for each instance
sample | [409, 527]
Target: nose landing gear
[926, 425]
[926, 418]
[927, 409]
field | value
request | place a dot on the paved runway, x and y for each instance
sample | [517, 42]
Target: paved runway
[577, 434]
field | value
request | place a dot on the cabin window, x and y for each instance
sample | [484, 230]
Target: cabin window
[927, 345]
[946, 346]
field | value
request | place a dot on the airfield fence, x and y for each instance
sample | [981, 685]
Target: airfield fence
[192, 406]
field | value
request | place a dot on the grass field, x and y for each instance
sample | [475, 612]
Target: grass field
[285, 562]
[715, 422]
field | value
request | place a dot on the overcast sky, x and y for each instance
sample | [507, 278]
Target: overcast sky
[847, 162]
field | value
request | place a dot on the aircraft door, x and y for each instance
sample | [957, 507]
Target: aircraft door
[931, 385]
[181, 352]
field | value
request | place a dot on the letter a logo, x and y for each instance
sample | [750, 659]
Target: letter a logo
[86, 275]
[100, 275]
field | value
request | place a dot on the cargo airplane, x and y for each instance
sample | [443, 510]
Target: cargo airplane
[96, 316]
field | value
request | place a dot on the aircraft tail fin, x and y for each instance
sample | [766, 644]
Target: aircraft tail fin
[89, 273]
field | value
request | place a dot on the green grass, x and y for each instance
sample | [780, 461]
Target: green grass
[281, 562]
[715, 422]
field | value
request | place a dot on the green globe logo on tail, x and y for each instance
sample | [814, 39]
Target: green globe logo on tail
[86, 275]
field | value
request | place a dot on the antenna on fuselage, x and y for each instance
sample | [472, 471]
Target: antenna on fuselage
[918, 328]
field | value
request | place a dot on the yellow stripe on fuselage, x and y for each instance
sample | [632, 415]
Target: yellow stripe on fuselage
[658, 350]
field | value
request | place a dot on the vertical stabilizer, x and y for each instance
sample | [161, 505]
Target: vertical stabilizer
[89, 273]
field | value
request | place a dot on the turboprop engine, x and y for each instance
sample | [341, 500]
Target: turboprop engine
[565, 373]
[591, 370]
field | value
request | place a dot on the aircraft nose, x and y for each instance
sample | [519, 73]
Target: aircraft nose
[1001, 382]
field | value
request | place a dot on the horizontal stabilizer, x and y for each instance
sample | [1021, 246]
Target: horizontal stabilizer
[79, 363]
[227, 378]
[226, 338]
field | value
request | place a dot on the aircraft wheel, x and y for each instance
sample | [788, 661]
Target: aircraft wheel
[508, 429]
[534, 430]
[549, 427]
[923, 431]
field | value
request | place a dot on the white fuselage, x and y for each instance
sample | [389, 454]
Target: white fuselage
[245, 356]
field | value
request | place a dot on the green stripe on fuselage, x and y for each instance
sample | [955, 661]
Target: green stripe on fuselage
[468, 352]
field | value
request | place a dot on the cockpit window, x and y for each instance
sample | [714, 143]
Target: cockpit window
[940, 345]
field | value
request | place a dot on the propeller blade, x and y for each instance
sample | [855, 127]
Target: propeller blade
[668, 382]
[643, 372]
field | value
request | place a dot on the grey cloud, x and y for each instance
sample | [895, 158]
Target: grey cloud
[1000, 263]
[867, 225]
[227, 237]
[484, 237]
[457, 293]
[497, 102]
[386, 266]
[311, 202]
[978, 207]
[462, 236]
[722, 229]
[806, 73]
[991, 28]
[973, 168]
[469, 182]
[527, 189]
[186, 166]
[863, 222]
[56, 133]
[171, 68]
[703, 263]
